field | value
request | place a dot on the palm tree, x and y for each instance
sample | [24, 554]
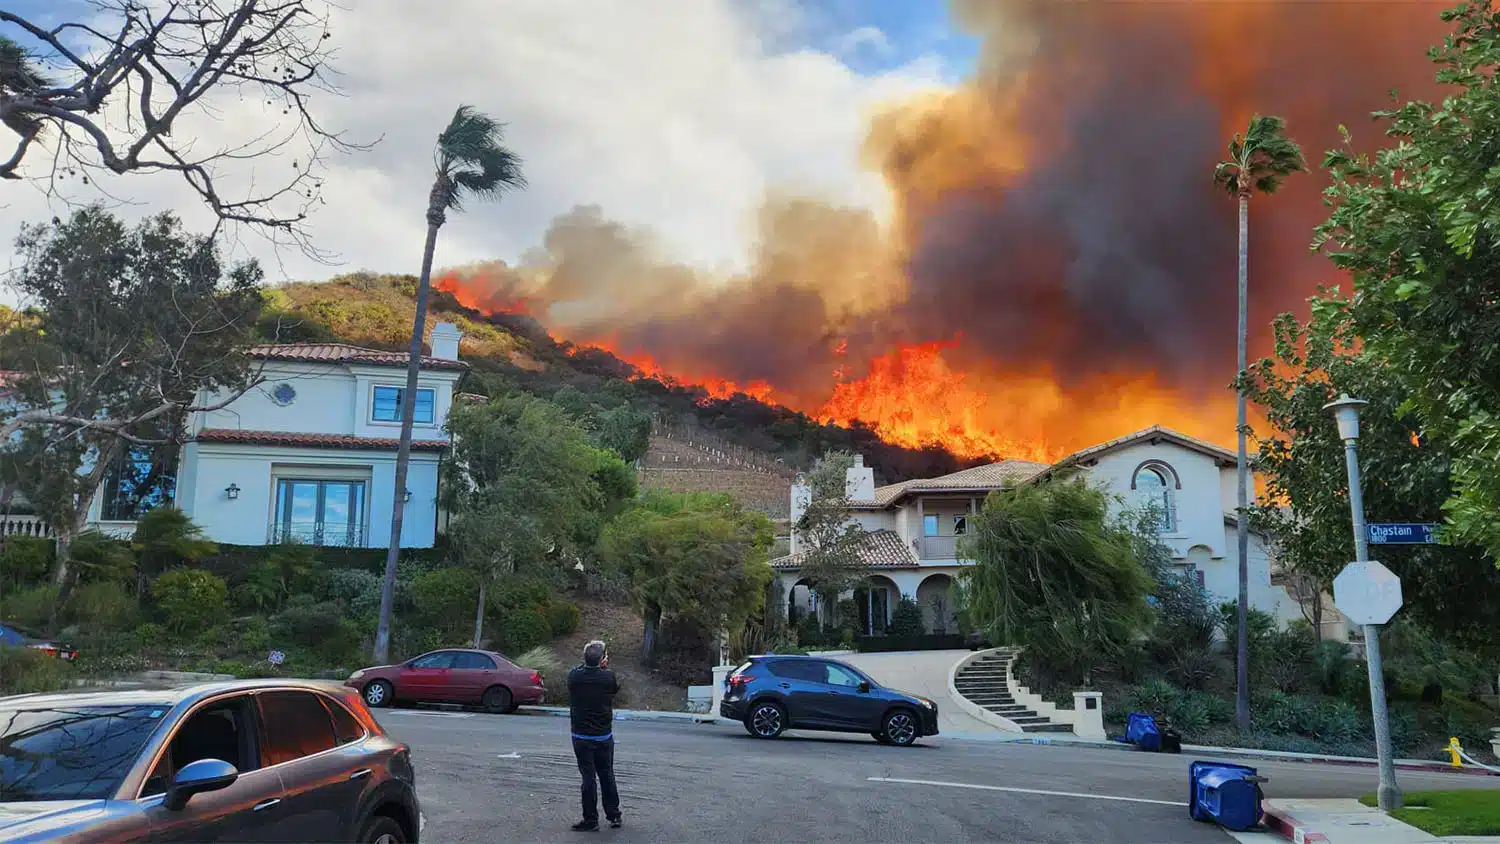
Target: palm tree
[471, 161]
[1259, 161]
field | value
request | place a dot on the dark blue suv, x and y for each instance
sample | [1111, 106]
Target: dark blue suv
[769, 694]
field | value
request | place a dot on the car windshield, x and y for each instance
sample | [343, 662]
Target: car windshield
[71, 753]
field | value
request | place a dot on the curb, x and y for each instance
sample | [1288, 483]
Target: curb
[1288, 827]
[630, 715]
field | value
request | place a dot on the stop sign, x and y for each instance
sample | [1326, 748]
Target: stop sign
[1367, 593]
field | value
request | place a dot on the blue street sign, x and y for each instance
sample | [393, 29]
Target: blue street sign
[1401, 534]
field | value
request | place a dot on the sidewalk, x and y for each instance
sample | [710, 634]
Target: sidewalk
[1342, 822]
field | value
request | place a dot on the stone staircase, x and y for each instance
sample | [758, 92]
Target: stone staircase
[982, 682]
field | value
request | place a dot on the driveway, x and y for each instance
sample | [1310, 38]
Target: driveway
[924, 673]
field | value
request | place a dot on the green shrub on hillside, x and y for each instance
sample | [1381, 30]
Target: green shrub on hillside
[103, 605]
[309, 628]
[563, 617]
[906, 619]
[31, 608]
[521, 630]
[24, 563]
[25, 671]
[358, 591]
[190, 600]
[445, 598]
[98, 557]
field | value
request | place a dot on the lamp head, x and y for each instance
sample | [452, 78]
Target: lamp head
[1346, 413]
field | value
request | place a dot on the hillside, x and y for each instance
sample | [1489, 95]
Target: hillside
[514, 352]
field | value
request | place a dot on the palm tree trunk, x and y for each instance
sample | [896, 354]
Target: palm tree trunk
[1242, 496]
[479, 615]
[403, 451]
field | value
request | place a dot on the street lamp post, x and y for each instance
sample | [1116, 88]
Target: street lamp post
[1346, 412]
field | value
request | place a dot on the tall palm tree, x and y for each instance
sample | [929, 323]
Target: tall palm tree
[1259, 161]
[471, 161]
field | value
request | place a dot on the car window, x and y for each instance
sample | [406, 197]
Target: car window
[797, 669]
[346, 727]
[441, 659]
[72, 752]
[468, 659]
[220, 730]
[838, 675]
[296, 725]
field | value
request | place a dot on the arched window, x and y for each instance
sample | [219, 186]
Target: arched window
[1153, 488]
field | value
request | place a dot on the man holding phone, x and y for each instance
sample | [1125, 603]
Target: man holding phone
[591, 695]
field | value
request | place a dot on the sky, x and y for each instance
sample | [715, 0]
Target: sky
[679, 116]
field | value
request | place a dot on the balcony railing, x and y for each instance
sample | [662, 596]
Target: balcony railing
[342, 535]
[939, 547]
[29, 526]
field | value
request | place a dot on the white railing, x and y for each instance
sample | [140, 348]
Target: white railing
[27, 526]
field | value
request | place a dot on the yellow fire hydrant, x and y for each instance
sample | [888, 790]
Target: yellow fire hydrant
[1453, 752]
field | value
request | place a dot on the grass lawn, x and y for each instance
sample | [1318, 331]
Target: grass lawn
[1475, 812]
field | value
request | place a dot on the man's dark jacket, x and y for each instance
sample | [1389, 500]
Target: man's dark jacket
[591, 696]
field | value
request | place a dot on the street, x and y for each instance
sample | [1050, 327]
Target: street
[513, 778]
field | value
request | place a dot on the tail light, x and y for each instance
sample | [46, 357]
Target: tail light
[536, 678]
[739, 681]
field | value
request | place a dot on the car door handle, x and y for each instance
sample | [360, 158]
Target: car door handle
[786, 685]
[266, 804]
[360, 774]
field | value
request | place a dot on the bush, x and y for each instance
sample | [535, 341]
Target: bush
[190, 600]
[103, 605]
[906, 619]
[25, 671]
[518, 593]
[318, 629]
[563, 617]
[1335, 670]
[24, 563]
[1288, 662]
[810, 632]
[151, 637]
[356, 590]
[521, 630]
[919, 642]
[445, 598]
[1154, 697]
[30, 607]
[846, 615]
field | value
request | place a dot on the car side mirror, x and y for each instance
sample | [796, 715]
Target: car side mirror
[864, 687]
[197, 778]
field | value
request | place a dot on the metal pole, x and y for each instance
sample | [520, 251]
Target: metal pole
[1389, 793]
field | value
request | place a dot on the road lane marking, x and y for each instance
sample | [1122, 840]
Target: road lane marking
[511, 755]
[1025, 790]
[432, 714]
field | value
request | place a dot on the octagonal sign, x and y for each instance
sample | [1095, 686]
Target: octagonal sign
[1367, 593]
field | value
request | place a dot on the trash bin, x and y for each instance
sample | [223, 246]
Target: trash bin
[1224, 793]
[1141, 731]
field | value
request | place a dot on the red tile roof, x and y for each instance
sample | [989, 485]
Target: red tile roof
[878, 549]
[300, 440]
[344, 353]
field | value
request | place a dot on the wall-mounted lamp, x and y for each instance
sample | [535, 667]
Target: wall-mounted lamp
[405, 496]
[232, 492]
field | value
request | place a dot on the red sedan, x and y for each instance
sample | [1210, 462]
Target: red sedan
[455, 675]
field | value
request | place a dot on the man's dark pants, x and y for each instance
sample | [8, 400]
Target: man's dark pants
[596, 760]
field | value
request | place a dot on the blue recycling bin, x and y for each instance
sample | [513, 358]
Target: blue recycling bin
[1224, 793]
[1141, 731]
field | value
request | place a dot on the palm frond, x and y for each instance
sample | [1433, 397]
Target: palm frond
[472, 156]
[1264, 156]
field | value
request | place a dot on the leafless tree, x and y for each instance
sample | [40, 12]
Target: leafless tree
[123, 90]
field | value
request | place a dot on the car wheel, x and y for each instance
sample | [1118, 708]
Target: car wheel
[766, 721]
[378, 693]
[497, 699]
[901, 728]
[382, 830]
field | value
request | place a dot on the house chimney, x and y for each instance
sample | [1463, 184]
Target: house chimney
[445, 337]
[860, 481]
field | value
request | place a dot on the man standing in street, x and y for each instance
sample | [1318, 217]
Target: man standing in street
[591, 696]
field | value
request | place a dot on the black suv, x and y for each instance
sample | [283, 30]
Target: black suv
[769, 694]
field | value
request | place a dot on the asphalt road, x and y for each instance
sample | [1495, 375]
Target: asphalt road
[485, 778]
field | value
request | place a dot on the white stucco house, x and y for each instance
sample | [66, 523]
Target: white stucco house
[308, 454]
[912, 528]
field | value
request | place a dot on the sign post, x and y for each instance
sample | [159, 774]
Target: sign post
[1369, 594]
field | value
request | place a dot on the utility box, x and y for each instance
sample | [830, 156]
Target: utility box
[1224, 793]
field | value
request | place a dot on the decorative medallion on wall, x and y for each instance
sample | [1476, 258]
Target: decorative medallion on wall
[284, 394]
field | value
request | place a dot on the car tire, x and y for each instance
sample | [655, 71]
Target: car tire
[378, 694]
[900, 727]
[380, 829]
[498, 699]
[766, 720]
[880, 737]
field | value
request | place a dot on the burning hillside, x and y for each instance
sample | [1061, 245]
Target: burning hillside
[1057, 268]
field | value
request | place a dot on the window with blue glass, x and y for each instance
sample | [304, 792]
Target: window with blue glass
[141, 479]
[386, 406]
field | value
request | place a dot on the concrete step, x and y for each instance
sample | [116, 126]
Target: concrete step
[987, 697]
[1045, 728]
[1027, 721]
[1009, 709]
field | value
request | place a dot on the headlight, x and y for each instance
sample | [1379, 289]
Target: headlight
[358, 674]
[929, 704]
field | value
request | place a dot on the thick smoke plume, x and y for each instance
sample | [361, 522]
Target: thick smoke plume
[1059, 269]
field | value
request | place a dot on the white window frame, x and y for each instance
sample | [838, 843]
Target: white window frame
[431, 423]
[1168, 500]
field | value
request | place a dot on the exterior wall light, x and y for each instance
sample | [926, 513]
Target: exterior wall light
[232, 491]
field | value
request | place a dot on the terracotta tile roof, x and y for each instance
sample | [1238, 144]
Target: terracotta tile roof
[302, 440]
[1155, 432]
[344, 353]
[471, 398]
[879, 549]
[979, 478]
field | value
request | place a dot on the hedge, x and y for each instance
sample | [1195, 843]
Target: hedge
[924, 642]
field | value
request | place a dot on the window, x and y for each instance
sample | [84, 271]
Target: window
[217, 731]
[320, 512]
[441, 659]
[386, 406]
[797, 669]
[473, 661]
[346, 728]
[72, 752]
[296, 725]
[838, 675]
[929, 525]
[139, 480]
[960, 525]
[1153, 489]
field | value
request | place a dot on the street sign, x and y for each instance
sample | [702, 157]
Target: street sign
[1401, 534]
[1367, 593]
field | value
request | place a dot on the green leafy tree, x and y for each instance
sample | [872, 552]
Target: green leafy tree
[1053, 573]
[696, 558]
[828, 539]
[526, 478]
[109, 368]
[1417, 226]
[1259, 161]
[624, 430]
[471, 162]
[166, 537]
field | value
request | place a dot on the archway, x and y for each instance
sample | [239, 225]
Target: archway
[799, 601]
[935, 597]
[875, 599]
